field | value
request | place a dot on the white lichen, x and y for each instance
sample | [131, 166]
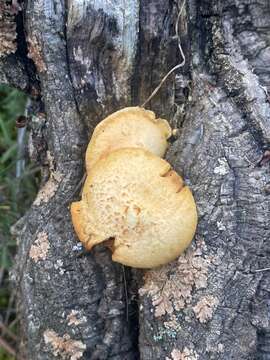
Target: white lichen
[220, 348]
[220, 226]
[75, 318]
[222, 168]
[79, 57]
[59, 266]
[64, 346]
[215, 348]
[40, 247]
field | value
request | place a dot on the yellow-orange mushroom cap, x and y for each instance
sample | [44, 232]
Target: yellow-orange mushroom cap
[128, 127]
[133, 197]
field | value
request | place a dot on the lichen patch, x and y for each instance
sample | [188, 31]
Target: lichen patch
[75, 318]
[64, 346]
[35, 53]
[215, 348]
[171, 286]
[79, 56]
[222, 168]
[40, 247]
[50, 188]
[220, 348]
[205, 307]
[173, 323]
[186, 354]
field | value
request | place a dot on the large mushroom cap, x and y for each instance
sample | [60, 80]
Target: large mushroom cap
[129, 127]
[133, 197]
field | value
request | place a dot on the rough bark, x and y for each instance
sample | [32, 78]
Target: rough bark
[92, 58]
[223, 140]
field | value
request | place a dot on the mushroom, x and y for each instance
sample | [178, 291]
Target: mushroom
[129, 127]
[136, 200]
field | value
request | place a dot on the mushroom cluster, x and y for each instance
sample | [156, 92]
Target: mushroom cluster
[132, 199]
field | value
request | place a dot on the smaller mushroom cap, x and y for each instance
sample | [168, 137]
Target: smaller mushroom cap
[128, 127]
[133, 197]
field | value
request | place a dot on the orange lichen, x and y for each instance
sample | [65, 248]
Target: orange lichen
[171, 286]
[40, 247]
[64, 346]
[204, 308]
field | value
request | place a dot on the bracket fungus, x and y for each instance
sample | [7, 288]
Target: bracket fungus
[128, 127]
[131, 196]
[134, 198]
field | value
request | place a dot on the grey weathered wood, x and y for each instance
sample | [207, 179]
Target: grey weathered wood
[223, 137]
[92, 58]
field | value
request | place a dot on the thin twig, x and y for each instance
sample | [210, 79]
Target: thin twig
[176, 66]
[5, 331]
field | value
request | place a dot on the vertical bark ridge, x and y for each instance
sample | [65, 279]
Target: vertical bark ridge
[223, 137]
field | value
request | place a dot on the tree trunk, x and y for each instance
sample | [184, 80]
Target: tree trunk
[92, 58]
